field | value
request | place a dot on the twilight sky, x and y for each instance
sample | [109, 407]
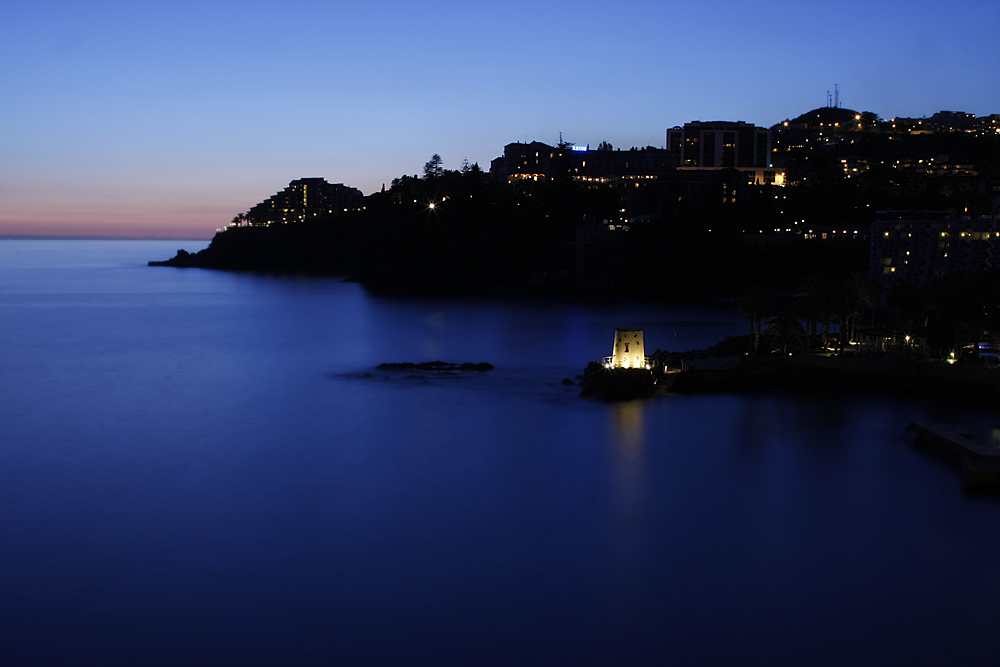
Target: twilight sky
[167, 119]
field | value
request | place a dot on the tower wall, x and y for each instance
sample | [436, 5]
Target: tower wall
[629, 351]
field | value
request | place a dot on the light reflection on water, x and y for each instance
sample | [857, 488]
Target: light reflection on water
[628, 439]
[193, 466]
[627, 423]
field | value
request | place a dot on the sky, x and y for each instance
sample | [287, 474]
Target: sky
[166, 119]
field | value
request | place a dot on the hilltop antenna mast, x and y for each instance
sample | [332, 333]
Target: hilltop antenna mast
[828, 99]
[836, 95]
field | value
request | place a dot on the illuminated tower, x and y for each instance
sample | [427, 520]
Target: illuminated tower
[628, 351]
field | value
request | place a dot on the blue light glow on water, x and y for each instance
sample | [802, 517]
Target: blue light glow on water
[194, 469]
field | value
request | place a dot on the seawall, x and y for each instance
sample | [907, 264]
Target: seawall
[847, 374]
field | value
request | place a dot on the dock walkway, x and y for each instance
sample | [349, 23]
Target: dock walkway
[980, 463]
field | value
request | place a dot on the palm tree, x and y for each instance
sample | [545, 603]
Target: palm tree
[909, 306]
[805, 309]
[845, 309]
[869, 294]
[756, 305]
[817, 303]
[786, 331]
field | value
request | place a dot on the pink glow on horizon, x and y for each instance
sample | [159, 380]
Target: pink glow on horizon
[189, 223]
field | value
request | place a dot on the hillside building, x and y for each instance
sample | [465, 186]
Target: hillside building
[920, 246]
[537, 161]
[304, 199]
[720, 144]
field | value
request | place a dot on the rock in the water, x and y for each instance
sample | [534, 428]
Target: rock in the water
[182, 259]
[437, 367]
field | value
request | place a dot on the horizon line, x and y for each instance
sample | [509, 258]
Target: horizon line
[91, 237]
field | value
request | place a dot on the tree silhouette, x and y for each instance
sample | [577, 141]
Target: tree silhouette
[817, 302]
[756, 305]
[785, 331]
[433, 168]
[869, 294]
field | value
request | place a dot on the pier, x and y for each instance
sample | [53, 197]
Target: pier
[980, 464]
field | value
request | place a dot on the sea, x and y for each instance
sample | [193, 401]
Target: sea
[204, 467]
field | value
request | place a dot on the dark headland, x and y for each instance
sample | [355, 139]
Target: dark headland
[673, 223]
[465, 232]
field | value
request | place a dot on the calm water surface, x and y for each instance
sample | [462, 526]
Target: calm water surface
[193, 470]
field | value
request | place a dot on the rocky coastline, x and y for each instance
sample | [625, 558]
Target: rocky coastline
[726, 368]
